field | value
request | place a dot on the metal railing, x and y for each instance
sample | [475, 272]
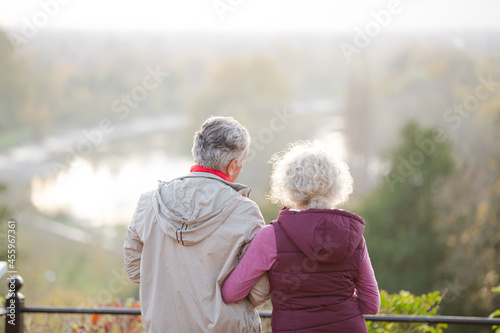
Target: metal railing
[15, 309]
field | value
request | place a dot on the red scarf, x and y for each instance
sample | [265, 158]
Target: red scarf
[199, 168]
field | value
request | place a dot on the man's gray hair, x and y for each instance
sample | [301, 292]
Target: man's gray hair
[219, 141]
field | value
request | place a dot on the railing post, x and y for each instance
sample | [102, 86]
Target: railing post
[14, 321]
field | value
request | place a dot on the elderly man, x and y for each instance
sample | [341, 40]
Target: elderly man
[189, 234]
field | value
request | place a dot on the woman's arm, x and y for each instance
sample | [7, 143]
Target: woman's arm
[259, 258]
[366, 285]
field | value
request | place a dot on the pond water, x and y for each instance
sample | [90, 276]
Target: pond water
[104, 189]
[105, 192]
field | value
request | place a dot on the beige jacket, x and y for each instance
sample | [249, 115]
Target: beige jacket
[184, 240]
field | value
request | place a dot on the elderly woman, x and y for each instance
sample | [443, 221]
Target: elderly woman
[319, 270]
[188, 234]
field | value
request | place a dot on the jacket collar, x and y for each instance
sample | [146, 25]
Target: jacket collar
[201, 168]
[240, 188]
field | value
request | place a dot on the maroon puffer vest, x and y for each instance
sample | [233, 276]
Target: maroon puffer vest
[312, 279]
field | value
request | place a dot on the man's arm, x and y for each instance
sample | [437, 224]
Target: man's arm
[133, 245]
[249, 278]
[260, 292]
[132, 251]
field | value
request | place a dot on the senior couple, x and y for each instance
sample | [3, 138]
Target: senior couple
[204, 257]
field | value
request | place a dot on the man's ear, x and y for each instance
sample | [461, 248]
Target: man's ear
[232, 165]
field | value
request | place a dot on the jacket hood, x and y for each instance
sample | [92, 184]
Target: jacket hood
[191, 208]
[324, 235]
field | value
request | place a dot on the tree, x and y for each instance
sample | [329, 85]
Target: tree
[14, 88]
[4, 215]
[247, 89]
[252, 90]
[469, 220]
[360, 118]
[401, 213]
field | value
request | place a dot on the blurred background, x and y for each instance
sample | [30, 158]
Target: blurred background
[100, 100]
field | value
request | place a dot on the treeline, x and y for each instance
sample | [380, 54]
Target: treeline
[432, 214]
[429, 189]
[432, 222]
[64, 86]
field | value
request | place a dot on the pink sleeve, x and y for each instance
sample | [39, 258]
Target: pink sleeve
[259, 258]
[366, 286]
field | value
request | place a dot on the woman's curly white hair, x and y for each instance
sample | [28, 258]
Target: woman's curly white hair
[308, 175]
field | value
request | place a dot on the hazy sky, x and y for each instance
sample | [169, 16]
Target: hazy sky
[251, 15]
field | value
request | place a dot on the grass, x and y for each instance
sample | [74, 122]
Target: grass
[12, 137]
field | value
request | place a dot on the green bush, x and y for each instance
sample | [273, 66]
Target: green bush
[405, 303]
[497, 312]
